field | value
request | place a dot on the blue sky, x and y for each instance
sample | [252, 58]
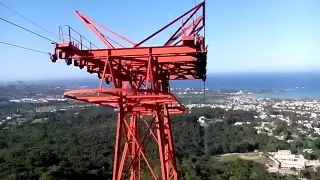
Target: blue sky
[243, 35]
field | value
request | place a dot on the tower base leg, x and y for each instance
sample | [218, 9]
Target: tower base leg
[131, 160]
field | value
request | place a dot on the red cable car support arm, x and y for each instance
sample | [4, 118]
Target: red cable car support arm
[112, 32]
[196, 8]
[193, 28]
[91, 24]
[95, 30]
[176, 35]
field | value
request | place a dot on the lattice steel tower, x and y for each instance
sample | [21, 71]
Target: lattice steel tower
[140, 78]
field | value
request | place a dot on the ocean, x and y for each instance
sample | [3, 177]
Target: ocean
[301, 85]
[298, 85]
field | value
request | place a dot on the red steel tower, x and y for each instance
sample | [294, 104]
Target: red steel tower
[140, 78]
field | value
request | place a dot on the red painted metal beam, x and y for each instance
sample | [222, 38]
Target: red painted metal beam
[95, 30]
[107, 29]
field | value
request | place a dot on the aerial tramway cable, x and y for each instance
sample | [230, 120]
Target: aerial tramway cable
[26, 30]
[22, 47]
[29, 20]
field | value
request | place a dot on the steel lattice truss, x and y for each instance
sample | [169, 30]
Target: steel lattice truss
[140, 77]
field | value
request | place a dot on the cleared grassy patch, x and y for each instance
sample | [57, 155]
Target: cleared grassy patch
[244, 156]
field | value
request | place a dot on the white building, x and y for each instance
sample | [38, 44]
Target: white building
[288, 160]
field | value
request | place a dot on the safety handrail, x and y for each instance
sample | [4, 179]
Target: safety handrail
[82, 42]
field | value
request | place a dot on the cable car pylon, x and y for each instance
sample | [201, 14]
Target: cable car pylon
[140, 91]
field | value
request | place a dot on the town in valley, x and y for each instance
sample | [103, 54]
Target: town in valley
[291, 121]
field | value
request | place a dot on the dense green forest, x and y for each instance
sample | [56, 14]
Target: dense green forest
[73, 145]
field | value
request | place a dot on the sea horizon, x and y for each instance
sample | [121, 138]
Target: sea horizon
[290, 85]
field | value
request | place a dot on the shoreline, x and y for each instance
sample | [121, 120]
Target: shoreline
[289, 96]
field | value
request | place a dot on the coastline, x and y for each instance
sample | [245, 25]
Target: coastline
[292, 94]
